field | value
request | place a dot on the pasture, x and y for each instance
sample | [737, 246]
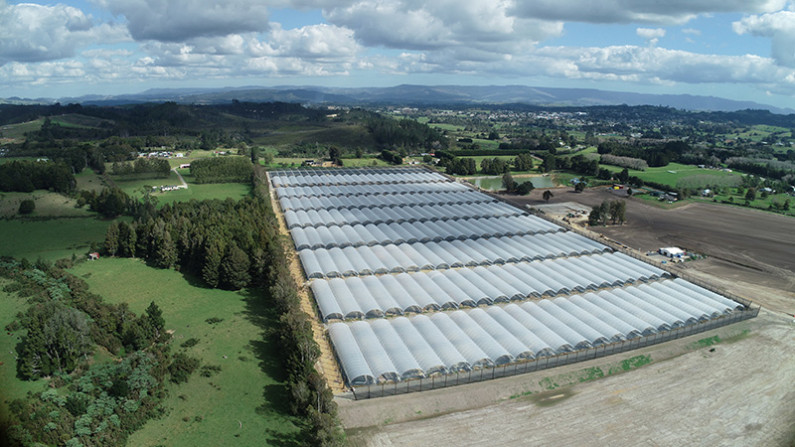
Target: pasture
[50, 239]
[242, 401]
[48, 204]
[677, 174]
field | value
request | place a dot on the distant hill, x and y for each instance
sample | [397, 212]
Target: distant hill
[422, 95]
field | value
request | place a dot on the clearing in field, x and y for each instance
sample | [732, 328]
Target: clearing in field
[237, 397]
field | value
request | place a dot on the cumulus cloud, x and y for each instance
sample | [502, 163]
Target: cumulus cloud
[638, 11]
[179, 20]
[314, 50]
[34, 33]
[652, 35]
[779, 27]
[443, 24]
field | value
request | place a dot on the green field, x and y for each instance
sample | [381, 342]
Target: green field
[244, 403]
[48, 204]
[444, 126]
[132, 184]
[18, 131]
[208, 191]
[12, 388]
[88, 180]
[50, 239]
[676, 174]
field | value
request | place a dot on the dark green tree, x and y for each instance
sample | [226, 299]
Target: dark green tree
[523, 162]
[595, 217]
[235, 269]
[27, 206]
[165, 252]
[112, 239]
[750, 195]
[57, 337]
[127, 240]
[525, 188]
[212, 264]
[549, 163]
[508, 182]
[547, 195]
[155, 320]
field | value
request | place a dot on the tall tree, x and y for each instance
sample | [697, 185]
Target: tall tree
[165, 252]
[508, 182]
[112, 239]
[155, 320]
[127, 239]
[548, 195]
[234, 269]
[212, 263]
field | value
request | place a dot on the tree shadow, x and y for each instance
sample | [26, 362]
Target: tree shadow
[269, 355]
[284, 439]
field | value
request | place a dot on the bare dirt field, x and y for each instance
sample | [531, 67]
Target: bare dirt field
[745, 248]
[737, 391]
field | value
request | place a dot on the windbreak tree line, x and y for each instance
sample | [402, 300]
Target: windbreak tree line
[223, 242]
[157, 166]
[221, 170]
[27, 176]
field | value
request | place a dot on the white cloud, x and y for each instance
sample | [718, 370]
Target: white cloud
[480, 25]
[653, 35]
[638, 11]
[779, 27]
[315, 42]
[34, 33]
[691, 31]
[179, 20]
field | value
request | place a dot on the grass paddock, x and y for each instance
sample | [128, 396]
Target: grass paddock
[242, 404]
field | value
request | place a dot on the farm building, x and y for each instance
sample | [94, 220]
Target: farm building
[420, 279]
[672, 252]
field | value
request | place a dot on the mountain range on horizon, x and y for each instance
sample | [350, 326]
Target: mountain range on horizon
[416, 95]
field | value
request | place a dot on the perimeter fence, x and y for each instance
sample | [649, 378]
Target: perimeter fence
[512, 369]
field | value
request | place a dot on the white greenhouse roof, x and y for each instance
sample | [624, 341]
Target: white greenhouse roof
[444, 342]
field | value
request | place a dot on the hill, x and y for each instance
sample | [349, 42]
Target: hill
[428, 95]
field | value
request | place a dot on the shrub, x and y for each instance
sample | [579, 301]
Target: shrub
[182, 366]
[27, 206]
[190, 342]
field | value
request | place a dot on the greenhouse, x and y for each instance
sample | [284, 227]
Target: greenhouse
[404, 348]
[418, 276]
[453, 288]
[368, 260]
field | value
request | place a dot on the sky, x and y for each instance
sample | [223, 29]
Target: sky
[736, 49]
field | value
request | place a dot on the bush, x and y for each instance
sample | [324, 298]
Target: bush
[182, 366]
[27, 206]
[190, 342]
